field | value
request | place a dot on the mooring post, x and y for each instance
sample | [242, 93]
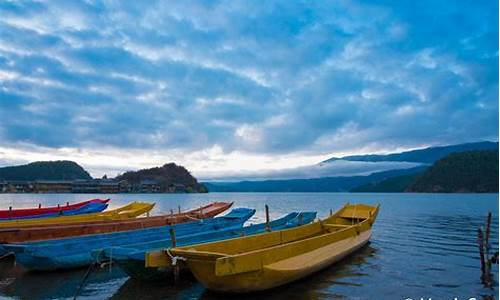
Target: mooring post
[179, 209]
[487, 236]
[268, 226]
[67, 203]
[331, 212]
[39, 205]
[172, 237]
[487, 249]
[480, 243]
[175, 266]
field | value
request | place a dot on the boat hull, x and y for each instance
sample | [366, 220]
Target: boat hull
[129, 211]
[24, 213]
[54, 231]
[133, 259]
[280, 273]
[272, 259]
[82, 251]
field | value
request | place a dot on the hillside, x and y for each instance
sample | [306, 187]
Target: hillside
[325, 184]
[45, 170]
[471, 171]
[427, 155]
[169, 175]
[397, 184]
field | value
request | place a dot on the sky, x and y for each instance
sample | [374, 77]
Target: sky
[242, 87]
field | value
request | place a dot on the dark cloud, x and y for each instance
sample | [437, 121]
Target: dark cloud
[278, 77]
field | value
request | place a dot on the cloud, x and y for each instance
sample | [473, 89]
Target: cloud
[281, 78]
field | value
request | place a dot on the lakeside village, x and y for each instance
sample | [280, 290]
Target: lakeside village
[98, 186]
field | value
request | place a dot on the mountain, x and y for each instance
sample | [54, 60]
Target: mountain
[398, 180]
[427, 155]
[325, 184]
[471, 171]
[45, 170]
[397, 184]
[170, 177]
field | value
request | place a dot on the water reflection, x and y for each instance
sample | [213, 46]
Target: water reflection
[423, 246]
[22, 284]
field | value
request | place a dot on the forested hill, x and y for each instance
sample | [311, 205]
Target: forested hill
[168, 176]
[472, 171]
[427, 155]
[45, 170]
[396, 184]
[324, 184]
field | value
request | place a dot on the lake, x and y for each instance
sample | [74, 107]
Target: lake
[423, 246]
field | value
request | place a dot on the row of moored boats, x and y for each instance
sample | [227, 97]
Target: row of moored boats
[222, 252]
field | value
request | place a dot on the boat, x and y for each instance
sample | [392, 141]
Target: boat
[34, 212]
[272, 259]
[128, 211]
[93, 207]
[132, 257]
[54, 231]
[76, 252]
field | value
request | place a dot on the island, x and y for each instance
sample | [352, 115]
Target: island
[69, 177]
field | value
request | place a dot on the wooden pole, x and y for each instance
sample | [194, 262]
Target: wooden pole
[486, 246]
[39, 205]
[172, 237]
[480, 243]
[268, 226]
[487, 236]
[179, 209]
[174, 244]
[331, 212]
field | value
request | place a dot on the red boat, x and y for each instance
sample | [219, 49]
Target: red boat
[28, 212]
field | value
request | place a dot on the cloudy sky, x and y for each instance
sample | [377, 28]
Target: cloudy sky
[242, 86]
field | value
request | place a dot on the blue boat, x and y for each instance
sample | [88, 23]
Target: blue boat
[77, 252]
[92, 207]
[131, 258]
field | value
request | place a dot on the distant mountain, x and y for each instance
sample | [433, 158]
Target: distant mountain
[471, 171]
[325, 184]
[397, 184]
[427, 155]
[170, 177]
[45, 170]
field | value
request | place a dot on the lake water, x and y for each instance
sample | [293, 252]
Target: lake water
[423, 245]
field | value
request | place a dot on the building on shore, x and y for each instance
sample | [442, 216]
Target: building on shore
[149, 186]
[89, 186]
[52, 186]
[4, 185]
[18, 186]
[105, 186]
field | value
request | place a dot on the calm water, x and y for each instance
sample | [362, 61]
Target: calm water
[423, 245]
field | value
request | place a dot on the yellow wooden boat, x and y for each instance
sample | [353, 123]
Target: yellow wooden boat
[272, 259]
[128, 211]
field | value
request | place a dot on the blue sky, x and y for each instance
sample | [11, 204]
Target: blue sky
[242, 86]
